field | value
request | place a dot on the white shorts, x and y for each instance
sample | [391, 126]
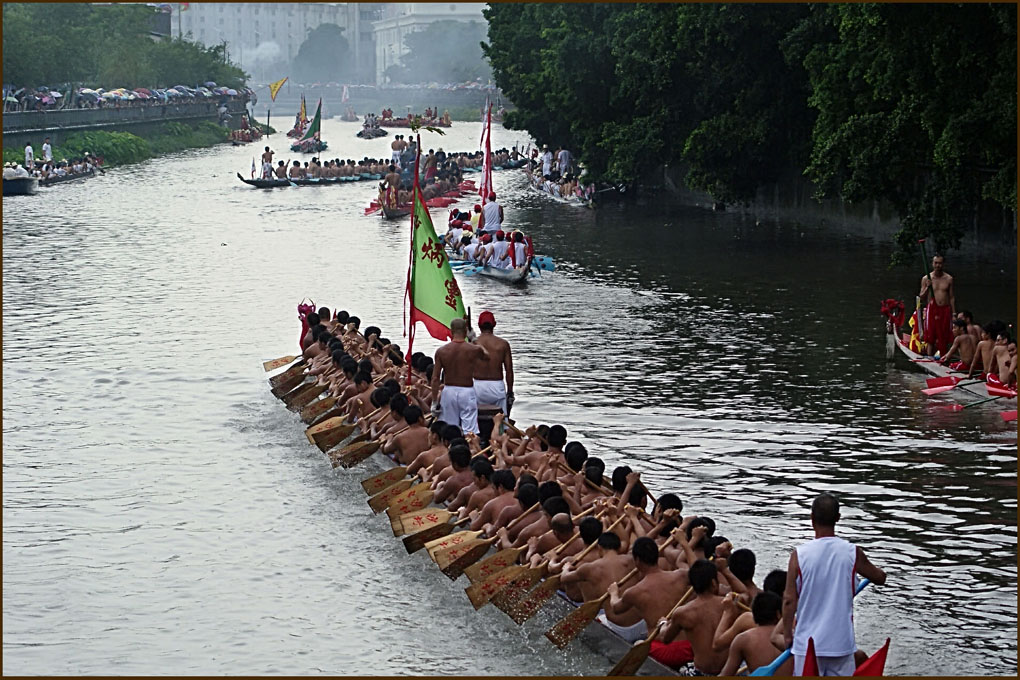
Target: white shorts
[639, 631]
[459, 407]
[395, 158]
[491, 392]
[841, 666]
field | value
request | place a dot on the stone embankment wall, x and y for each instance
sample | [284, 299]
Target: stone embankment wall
[33, 126]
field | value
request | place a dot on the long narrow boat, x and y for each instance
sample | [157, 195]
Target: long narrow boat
[396, 213]
[56, 179]
[518, 275]
[322, 181]
[596, 637]
[576, 201]
[21, 186]
[965, 391]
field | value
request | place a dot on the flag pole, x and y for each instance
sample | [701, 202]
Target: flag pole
[408, 292]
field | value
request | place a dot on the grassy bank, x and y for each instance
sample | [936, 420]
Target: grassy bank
[119, 148]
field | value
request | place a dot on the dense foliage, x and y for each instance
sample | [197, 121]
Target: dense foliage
[119, 148]
[325, 55]
[443, 52]
[910, 104]
[103, 46]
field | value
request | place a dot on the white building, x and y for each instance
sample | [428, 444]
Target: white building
[259, 35]
[399, 19]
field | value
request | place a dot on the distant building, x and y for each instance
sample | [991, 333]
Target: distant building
[268, 35]
[399, 19]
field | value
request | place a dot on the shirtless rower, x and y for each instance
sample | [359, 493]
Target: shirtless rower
[983, 352]
[412, 441]
[998, 369]
[594, 579]
[478, 492]
[267, 164]
[281, 170]
[395, 149]
[972, 328]
[964, 344]
[455, 364]
[941, 308]
[699, 619]
[488, 375]
[653, 596]
[503, 483]
[754, 646]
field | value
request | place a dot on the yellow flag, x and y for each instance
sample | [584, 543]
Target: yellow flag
[275, 87]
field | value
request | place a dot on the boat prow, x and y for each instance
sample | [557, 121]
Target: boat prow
[21, 186]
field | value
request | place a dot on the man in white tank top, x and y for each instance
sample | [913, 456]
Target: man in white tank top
[492, 215]
[820, 586]
[499, 248]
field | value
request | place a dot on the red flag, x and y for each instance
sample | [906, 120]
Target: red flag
[810, 662]
[874, 665]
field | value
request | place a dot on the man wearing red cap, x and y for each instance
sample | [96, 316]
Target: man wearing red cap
[489, 387]
[492, 216]
[475, 216]
[499, 248]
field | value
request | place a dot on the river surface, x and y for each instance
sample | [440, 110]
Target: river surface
[164, 514]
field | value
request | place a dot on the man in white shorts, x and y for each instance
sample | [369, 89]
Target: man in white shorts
[488, 376]
[454, 369]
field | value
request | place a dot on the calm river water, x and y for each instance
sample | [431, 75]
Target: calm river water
[164, 514]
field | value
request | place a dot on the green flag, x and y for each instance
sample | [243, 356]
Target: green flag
[431, 289]
[313, 130]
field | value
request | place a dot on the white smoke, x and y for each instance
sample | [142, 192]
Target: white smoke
[267, 53]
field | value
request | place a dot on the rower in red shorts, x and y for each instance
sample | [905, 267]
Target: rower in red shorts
[941, 309]
[964, 344]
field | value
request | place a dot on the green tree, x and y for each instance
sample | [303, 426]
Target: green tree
[443, 51]
[916, 106]
[324, 56]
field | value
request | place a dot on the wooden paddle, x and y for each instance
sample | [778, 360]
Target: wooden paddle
[444, 543]
[528, 606]
[576, 621]
[355, 453]
[413, 504]
[479, 572]
[471, 557]
[426, 519]
[296, 369]
[303, 395]
[327, 439]
[328, 422]
[480, 593]
[307, 396]
[380, 501]
[505, 599]
[274, 364]
[417, 541]
[287, 385]
[637, 654]
[400, 496]
[374, 485]
[317, 408]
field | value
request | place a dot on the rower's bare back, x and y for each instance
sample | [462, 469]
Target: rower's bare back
[458, 360]
[492, 367]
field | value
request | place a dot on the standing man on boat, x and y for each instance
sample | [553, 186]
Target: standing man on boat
[941, 308]
[396, 146]
[820, 584]
[488, 378]
[267, 164]
[29, 156]
[47, 150]
[547, 160]
[491, 220]
[454, 371]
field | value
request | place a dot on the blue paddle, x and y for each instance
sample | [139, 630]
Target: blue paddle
[781, 659]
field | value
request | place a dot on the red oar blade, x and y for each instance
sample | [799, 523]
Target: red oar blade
[994, 390]
[952, 407]
[1008, 416]
[938, 390]
[943, 381]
